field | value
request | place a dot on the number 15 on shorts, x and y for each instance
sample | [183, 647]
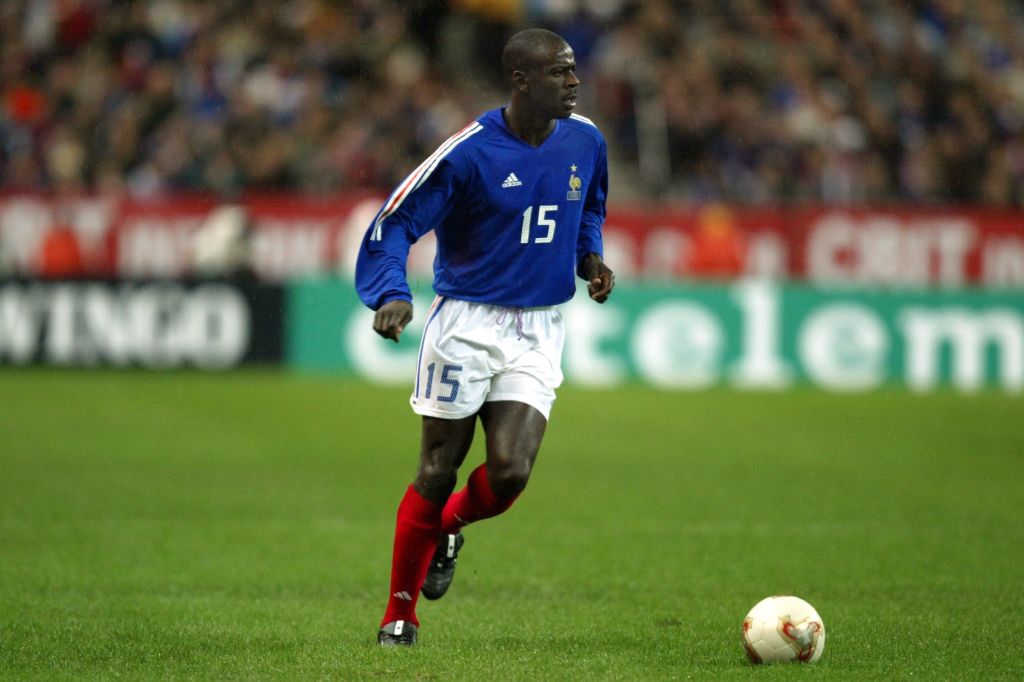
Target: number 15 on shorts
[446, 378]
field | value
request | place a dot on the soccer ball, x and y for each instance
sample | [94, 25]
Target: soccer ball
[783, 629]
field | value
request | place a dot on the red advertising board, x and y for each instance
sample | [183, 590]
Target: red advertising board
[908, 247]
[288, 237]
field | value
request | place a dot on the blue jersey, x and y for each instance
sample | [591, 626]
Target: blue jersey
[512, 221]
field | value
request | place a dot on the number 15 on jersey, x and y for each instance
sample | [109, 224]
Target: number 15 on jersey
[543, 221]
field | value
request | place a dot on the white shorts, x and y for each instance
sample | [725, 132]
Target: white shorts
[472, 353]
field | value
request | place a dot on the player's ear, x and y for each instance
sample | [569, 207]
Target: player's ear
[520, 81]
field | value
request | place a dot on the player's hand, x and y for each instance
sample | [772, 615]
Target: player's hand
[391, 319]
[601, 279]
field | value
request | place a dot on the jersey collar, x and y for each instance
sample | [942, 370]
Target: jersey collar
[498, 119]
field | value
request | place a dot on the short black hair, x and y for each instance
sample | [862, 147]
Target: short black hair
[525, 49]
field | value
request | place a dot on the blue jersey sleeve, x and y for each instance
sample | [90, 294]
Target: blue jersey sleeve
[592, 220]
[422, 201]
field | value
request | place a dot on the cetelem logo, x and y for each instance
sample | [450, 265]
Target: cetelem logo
[760, 335]
[757, 335]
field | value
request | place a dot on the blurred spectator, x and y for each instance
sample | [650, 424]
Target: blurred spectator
[702, 101]
[805, 101]
[718, 248]
[60, 256]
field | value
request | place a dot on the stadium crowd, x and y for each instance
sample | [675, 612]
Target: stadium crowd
[736, 100]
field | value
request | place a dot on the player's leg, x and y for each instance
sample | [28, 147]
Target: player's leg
[444, 444]
[443, 447]
[452, 379]
[514, 416]
[514, 432]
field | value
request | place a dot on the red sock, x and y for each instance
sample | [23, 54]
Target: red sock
[416, 532]
[473, 503]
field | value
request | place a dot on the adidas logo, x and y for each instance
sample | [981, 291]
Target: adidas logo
[402, 595]
[511, 181]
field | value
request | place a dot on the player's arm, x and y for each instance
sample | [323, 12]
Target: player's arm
[381, 277]
[415, 207]
[589, 245]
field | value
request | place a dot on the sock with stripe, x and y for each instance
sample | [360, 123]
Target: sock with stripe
[416, 531]
[475, 502]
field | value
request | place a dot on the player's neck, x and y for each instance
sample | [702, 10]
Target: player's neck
[532, 130]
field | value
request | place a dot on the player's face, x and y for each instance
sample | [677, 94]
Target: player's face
[554, 86]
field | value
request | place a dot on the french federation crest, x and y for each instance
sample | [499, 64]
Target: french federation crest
[574, 185]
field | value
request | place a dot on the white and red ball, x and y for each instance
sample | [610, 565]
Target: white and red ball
[783, 628]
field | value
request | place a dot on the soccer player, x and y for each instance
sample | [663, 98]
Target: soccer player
[516, 200]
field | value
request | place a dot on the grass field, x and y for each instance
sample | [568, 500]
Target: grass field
[239, 526]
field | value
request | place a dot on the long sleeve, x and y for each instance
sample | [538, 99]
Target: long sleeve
[592, 220]
[420, 203]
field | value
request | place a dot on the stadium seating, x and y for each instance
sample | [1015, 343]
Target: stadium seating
[738, 101]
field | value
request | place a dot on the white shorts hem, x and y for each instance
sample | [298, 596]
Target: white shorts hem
[428, 411]
[541, 406]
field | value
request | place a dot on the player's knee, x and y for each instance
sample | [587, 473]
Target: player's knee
[435, 478]
[508, 478]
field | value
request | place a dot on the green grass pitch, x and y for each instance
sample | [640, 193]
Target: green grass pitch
[239, 526]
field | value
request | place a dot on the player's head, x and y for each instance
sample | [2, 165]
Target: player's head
[541, 68]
